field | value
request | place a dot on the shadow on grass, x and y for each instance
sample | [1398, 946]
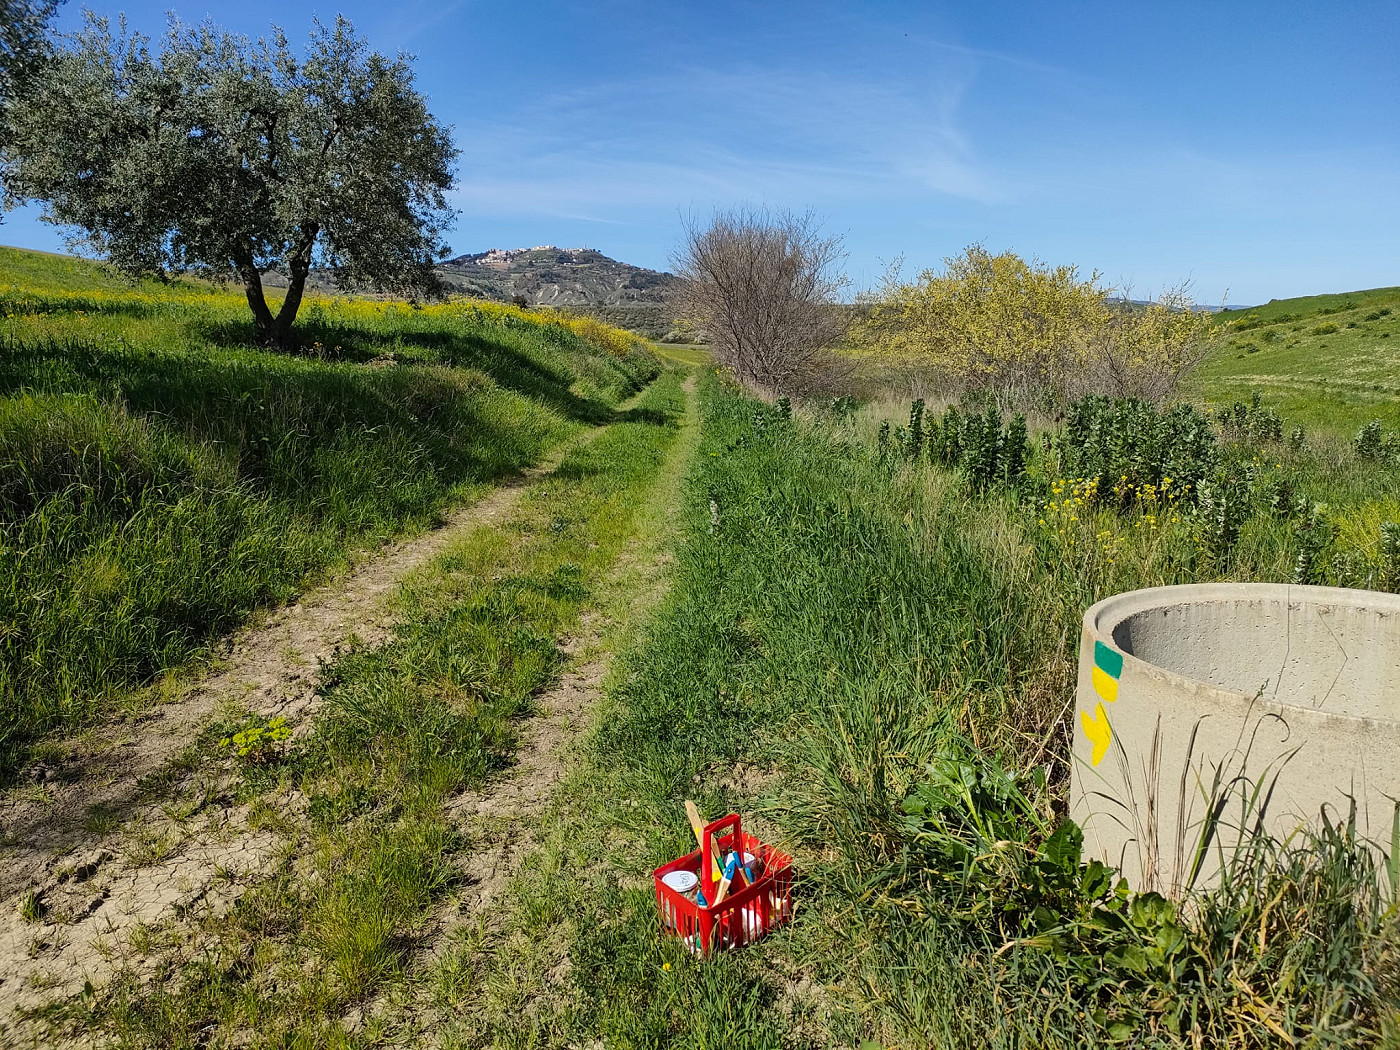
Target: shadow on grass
[650, 417]
[40, 303]
[296, 432]
[510, 366]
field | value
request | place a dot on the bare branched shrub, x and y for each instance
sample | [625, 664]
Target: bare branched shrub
[764, 287]
[1145, 351]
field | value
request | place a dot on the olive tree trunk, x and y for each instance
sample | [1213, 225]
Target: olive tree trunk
[275, 330]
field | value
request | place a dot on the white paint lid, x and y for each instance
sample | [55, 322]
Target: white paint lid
[681, 881]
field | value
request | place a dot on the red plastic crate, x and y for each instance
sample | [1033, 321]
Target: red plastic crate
[743, 916]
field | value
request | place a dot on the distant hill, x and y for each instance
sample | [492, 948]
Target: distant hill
[579, 278]
[1200, 308]
[1327, 361]
[583, 279]
[549, 276]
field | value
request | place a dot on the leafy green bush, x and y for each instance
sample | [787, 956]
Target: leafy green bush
[1166, 473]
[979, 447]
[1372, 442]
[1251, 422]
[1222, 507]
[840, 407]
[1125, 445]
[915, 447]
[1315, 534]
[1390, 556]
[982, 833]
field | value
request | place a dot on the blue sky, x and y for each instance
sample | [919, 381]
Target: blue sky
[1248, 148]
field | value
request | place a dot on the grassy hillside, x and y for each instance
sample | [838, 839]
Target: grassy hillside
[1329, 362]
[161, 477]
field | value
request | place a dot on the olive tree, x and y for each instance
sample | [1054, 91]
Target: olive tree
[23, 39]
[23, 47]
[763, 286]
[219, 155]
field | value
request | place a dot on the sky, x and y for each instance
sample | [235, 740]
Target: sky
[1251, 149]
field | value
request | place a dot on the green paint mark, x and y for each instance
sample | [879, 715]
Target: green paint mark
[1110, 661]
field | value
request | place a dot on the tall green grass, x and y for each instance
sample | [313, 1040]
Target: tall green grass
[890, 657]
[159, 480]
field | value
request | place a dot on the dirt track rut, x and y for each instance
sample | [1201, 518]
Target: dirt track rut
[73, 900]
[95, 851]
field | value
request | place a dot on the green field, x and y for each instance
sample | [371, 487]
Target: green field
[868, 659]
[1329, 362]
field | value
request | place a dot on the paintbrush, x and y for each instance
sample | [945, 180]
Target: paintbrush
[730, 870]
[698, 826]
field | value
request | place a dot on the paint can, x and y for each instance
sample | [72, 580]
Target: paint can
[753, 868]
[687, 884]
[683, 882]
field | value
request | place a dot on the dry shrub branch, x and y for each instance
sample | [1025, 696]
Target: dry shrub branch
[764, 287]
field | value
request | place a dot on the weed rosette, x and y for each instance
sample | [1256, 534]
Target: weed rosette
[260, 742]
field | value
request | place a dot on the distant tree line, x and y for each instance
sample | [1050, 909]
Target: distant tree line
[765, 289]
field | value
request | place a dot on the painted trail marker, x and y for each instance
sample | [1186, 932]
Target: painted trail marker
[1108, 668]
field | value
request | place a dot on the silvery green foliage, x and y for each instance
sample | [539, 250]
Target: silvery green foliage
[23, 47]
[1222, 507]
[1315, 533]
[23, 41]
[230, 157]
[915, 446]
[977, 444]
[1252, 422]
[1373, 443]
[1390, 556]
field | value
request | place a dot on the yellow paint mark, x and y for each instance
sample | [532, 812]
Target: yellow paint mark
[1105, 684]
[1099, 732]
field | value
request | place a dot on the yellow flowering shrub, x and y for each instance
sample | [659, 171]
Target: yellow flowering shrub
[1006, 323]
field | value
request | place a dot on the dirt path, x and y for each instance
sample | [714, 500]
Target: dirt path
[501, 812]
[104, 849]
[270, 668]
[502, 819]
[84, 898]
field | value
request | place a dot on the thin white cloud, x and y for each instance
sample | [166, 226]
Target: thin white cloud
[714, 135]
